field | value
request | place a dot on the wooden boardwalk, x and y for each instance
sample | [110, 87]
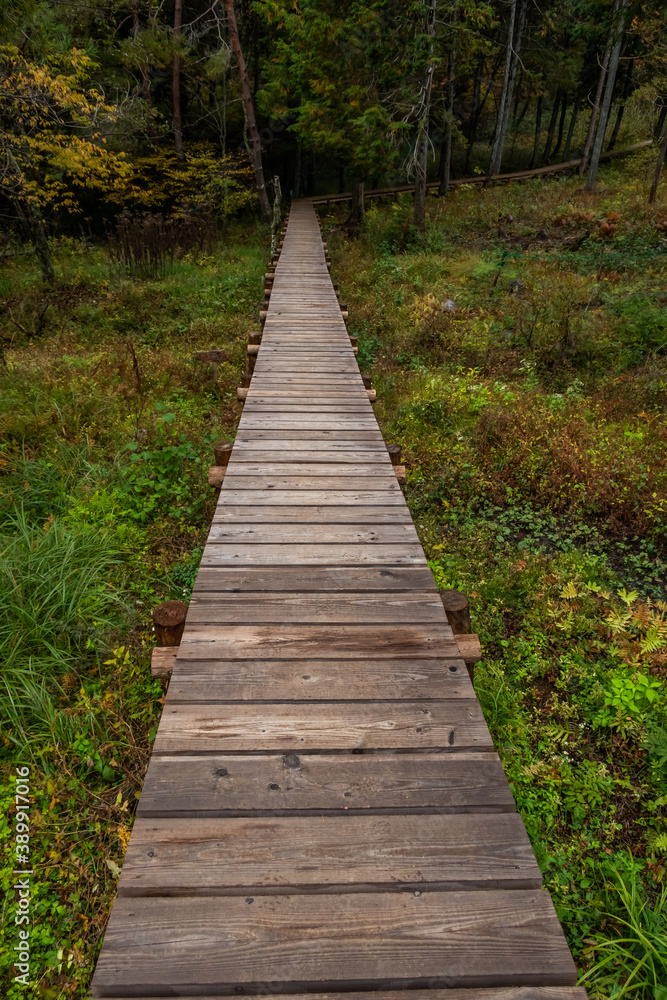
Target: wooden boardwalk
[323, 812]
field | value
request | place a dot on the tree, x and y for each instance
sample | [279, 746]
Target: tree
[615, 45]
[514, 37]
[249, 107]
[332, 68]
[422, 144]
[176, 82]
[446, 151]
[51, 142]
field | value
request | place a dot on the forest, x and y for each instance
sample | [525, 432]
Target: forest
[515, 331]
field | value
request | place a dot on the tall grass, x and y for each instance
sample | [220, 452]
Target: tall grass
[632, 960]
[58, 604]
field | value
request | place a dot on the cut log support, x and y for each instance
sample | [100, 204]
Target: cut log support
[469, 648]
[242, 394]
[254, 337]
[245, 379]
[162, 660]
[372, 395]
[457, 609]
[401, 475]
[395, 454]
[216, 474]
[222, 452]
[169, 622]
[253, 350]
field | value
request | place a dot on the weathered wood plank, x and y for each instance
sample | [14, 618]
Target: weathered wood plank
[334, 578]
[499, 937]
[359, 554]
[275, 469]
[184, 857]
[327, 642]
[245, 515]
[325, 484]
[396, 535]
[232, 785]
[207, 681]
[412, 607]
[265, 454]
[455, 725]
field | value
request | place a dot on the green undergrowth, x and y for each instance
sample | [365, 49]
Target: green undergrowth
[519, 350]
[108, 423]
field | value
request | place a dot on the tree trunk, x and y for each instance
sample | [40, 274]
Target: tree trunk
[594, 112]
[35, 230]
[357, 207]
[538, 130]
[143, 69]
[474, 113]
[249, 109]
[176, 84]
[573, 122]
[621, 107]
[551, 131]
[421, 151]
[657, 131]
[514, 37]
[446, 152]
[617, 40]
[561, 125]
[658, 167]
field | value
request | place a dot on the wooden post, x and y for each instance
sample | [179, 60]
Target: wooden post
[222, 452]
[457, 610]
[367, 381]
[395, 454]
[254, 337]
[169, 622]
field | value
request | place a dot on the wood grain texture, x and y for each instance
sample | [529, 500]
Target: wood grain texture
[262, 856]
[297, 535]
[352, 553]
[498, 937]
[327, 642]
[378, 783]
[349, 726]
[413, 607]
[335, 579]
[248, 515]
[318, 680]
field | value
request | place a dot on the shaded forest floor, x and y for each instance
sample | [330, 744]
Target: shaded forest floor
[518, 350]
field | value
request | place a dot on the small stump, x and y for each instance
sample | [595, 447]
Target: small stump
[169, 622]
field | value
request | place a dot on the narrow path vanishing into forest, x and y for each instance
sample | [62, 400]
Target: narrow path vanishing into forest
[324, 812]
